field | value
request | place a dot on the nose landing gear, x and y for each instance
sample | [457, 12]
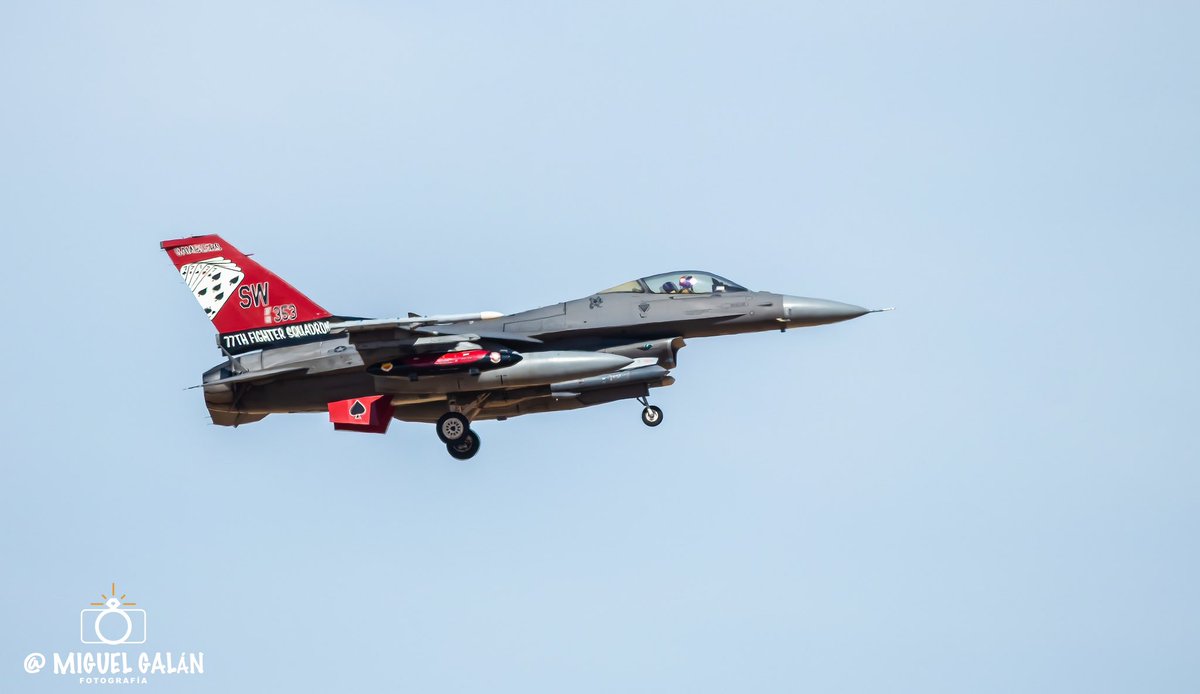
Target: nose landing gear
[651, 415]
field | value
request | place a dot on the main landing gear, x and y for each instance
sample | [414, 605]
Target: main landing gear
[452, 426]
[466, 447]
[454, 429]
[651, 415]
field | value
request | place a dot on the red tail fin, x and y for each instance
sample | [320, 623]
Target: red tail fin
[236, 293]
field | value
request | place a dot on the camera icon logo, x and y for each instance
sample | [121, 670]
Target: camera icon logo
[113, 625]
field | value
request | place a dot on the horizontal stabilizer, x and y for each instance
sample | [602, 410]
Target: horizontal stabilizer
[251, 376]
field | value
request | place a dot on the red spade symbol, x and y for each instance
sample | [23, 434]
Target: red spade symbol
[357, 410]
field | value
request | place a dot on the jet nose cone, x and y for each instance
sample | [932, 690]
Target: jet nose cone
[799, 310]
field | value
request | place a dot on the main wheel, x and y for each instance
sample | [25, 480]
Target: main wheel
[452, 426]
[652, 416]
[466, 447]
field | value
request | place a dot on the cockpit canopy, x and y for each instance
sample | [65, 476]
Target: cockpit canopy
[680, 282]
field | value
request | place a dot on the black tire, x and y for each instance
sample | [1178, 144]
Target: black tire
[465, 448]
[652, 416]
[451, 427]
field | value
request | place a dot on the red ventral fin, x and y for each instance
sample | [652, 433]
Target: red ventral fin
[370, 414]
[236, 292]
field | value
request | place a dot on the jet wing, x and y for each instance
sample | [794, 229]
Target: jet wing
[423, 332]
[409, 323]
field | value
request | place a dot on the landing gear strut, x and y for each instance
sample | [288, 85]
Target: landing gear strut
[651, 415]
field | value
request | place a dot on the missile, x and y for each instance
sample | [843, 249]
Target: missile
[526, 369]
[457, 317]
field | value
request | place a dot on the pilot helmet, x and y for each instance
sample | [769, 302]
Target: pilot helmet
[687, 282]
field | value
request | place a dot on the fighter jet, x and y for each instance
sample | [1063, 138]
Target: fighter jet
[284, 353]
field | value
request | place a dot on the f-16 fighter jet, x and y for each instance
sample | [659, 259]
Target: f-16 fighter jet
[284, 353]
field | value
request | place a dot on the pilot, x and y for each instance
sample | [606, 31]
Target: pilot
[687, 284]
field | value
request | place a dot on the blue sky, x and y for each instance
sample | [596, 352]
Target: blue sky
[993, 488]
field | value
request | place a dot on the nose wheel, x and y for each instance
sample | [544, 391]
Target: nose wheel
[651, 415]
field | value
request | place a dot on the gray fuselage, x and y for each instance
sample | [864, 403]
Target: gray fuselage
[634, 324]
